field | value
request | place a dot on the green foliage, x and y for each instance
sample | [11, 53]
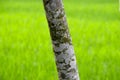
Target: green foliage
[25, 45]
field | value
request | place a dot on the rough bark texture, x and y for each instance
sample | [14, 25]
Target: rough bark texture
[62, 44]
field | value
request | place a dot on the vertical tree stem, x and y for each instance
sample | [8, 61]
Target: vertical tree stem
[62, 44]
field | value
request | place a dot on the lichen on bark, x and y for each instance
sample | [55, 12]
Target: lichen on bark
[62, 44]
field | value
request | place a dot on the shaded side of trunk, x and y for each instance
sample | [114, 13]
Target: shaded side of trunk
[62, 44]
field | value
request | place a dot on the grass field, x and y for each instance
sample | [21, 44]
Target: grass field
[25, 45]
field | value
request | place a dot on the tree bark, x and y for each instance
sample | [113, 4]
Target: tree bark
[62, 44]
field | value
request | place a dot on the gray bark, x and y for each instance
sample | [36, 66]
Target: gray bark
[62, 44]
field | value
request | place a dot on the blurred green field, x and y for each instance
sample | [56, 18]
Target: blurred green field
[25, 45]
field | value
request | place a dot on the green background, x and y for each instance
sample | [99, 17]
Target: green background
[25, 45]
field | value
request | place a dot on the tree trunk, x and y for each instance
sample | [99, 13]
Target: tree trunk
[62, 44]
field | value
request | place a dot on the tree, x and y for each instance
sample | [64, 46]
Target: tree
[62, 44]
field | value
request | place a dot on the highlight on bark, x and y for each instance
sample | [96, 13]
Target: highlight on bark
[61, 40]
